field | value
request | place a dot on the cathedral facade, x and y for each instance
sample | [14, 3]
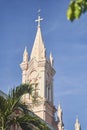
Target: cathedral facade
[38, 71]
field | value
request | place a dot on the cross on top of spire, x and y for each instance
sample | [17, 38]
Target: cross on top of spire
[39, 19]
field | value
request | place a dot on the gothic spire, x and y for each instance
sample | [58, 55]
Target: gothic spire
[38, 50]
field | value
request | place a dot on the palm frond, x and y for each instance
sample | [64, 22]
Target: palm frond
[3, 104]
[22, 89]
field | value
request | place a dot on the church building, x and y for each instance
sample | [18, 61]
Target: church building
[38, 71]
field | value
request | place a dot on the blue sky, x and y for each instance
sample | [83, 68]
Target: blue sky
[67, 41]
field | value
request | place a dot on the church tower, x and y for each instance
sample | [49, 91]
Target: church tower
[38, 71]
[77, 125]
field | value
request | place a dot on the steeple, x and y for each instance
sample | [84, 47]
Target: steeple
[77, 124]
[39, 73]
[38, 51]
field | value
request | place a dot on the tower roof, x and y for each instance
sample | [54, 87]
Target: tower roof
[38, 50]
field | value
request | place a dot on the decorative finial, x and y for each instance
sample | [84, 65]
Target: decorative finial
[77, 124]
[77, 118]
[39, 19]
[59, 106]
[25, 55]
[25, 49]
[51, 59]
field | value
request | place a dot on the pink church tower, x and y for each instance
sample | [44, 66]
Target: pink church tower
[39, 72]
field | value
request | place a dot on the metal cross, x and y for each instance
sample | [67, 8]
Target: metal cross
[39, 19]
